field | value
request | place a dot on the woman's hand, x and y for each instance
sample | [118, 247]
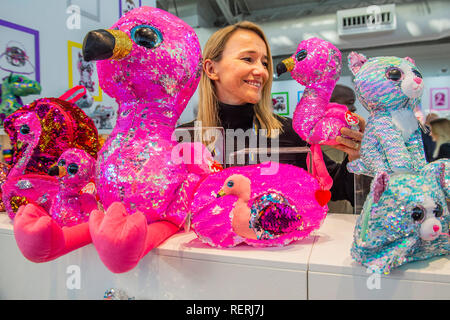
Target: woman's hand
[350, 141]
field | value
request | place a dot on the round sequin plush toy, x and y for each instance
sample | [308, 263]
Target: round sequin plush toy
[268, 204]
[150, 62]
[317, 65]
[390, 88]
[45, 235]
[405, 218]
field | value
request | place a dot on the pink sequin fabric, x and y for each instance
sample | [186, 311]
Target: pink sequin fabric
[40, 132]
[290, 192]
[318, 67]
[75, 170]
[152, 87]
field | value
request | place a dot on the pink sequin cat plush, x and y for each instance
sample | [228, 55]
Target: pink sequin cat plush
[150, 62]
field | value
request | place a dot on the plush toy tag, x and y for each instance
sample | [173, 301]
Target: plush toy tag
[351, 119]
[214, 166]
[91, 189]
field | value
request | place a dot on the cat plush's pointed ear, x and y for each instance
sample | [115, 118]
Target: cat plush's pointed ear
[439, 170]
[410, 60]
[379, 185]
[355, 61]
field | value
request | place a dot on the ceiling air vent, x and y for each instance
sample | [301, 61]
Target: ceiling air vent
[366, 20]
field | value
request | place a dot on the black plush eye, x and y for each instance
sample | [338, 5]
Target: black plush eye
[301, 55]
[417, 73]
[417, 213]
[72, 168]
[62, 163]
[438, 211]
[230, 184]
[394, 74]
[25, 129]
[146, 36]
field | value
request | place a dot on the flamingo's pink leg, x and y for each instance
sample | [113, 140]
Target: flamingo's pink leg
[41, 239]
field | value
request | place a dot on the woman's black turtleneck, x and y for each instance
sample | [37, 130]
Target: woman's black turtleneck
[236, 117]
[243, 117]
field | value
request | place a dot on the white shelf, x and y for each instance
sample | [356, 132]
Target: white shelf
[331, 267]
[181, 268]
[319, 267]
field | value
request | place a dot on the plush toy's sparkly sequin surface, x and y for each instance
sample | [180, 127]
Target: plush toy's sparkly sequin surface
[315, 119]
[390, 89]
[40, 132]
[405, 218]
[71, 207]
[291, 188]
[152, 86]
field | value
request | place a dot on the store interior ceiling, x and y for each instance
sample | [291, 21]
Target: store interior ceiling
[422, 27]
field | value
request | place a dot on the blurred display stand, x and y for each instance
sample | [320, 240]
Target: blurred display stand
[362, 189]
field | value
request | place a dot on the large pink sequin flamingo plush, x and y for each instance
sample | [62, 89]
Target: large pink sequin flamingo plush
[243, 205]
[317, 65]
[45, 235]
[151, 64]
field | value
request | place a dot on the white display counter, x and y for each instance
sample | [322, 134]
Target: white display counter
[181, 268]
[319, 267]
[332, 274]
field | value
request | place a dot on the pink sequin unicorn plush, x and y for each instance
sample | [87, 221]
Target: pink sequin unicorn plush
[150, 62]
[317, 65]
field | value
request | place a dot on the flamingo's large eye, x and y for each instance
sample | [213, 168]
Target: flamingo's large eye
[72, 168]
[301, 55]
[230, 184]
[25, 129]
[146, 36]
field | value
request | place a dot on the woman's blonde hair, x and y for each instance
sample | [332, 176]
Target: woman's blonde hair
[440, 129]
[208, 101]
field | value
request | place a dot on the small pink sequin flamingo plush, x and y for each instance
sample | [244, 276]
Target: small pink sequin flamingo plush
[20, 183]
[42, 236]
[40, 132]
[75, 169]
[150, 62]
[317, 65]
[244, 205]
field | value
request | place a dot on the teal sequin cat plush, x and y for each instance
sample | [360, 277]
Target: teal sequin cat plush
[405, 218]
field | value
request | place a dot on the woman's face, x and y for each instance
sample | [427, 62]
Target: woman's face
[241, 74]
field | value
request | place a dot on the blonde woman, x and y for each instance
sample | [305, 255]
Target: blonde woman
[440, 133]
[235, 93]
